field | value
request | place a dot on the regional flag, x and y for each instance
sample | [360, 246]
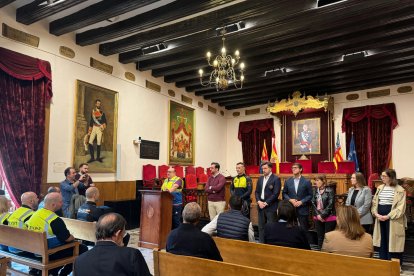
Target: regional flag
[273, 157]
[352, 155]
[338, 152]
[265, 157]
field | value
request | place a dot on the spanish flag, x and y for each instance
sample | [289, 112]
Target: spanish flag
[265, 157]
[273, 157]
[338, 152]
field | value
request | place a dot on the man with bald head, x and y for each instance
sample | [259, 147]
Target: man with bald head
[46, 220]
[22, 214]
[109, 256]
[89, 211]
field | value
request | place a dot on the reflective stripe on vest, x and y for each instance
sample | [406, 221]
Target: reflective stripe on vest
[4, 217]
[40, 222]
[168, 184]
[240, 182]
[17, 218]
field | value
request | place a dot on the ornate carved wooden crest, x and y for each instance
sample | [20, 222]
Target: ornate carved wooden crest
[298, 103]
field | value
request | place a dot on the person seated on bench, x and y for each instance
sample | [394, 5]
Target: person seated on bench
[51, 189]
[349, 238]
[285, 231]
[109, 256]
[5, 205]
[46, 220]
[22, 214]
[89, 211]
[231, 224]
[188, 240]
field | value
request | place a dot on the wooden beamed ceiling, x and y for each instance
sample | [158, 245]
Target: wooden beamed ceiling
[308, 42]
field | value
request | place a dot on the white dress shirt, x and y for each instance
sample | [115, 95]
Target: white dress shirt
[265, 179]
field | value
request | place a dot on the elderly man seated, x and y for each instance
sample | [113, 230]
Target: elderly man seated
[188, 240]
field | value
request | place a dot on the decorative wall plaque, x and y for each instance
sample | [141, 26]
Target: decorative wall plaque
[252, 111]
[200, 104]
[186, 99]
[404, 89]
[221, 112]
[20, 36]
[352, 97]
[236, 114]
[378, 93]
[66, 52]
[171, 93]
[212, 109]
[101, 66]
[149, 150]
[152, 86]
[130, 76]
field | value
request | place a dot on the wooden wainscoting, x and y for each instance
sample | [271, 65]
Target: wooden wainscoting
[109, 191]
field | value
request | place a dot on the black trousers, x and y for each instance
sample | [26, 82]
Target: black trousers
[322, 228]
[384, 252]
[265, 216]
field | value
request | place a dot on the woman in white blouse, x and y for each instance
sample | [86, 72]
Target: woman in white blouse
[388, 208]
[360, 196]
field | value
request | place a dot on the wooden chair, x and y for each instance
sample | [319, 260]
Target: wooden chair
[252, 170]
[191, 188]
[36, 243]
[4, 262]
[202, 178]
[149, 175]
[208, 172]
[199, 171]
[190, 170]
[179, 171]
[162, 171]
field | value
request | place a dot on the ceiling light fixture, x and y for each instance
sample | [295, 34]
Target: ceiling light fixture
[355, 56]
[153, 48]
[223, 73]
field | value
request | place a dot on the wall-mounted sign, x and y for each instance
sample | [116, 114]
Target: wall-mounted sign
[149, 150]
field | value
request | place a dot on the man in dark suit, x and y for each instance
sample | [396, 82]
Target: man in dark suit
[267, 193]
[298, 190]
[109, 256]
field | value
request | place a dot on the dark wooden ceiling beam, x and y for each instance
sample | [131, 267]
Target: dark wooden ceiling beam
[324, 80]
[95, 13]
[314, 54]
[34, 12]
[4, 3]
[207, 21]
[324, 86]
[150, 19]
[333, 90]
[291, 49]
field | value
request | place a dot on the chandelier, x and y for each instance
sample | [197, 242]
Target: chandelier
[223, 72]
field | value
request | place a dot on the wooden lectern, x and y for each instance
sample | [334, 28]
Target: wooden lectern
[156, 218]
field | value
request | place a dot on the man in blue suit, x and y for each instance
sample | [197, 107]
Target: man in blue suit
[298, 190]
[267, 193]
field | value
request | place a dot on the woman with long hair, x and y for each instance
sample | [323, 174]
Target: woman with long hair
[388, 208]
[350, 237]
[323, 202]
[360, 196]
[285, 231]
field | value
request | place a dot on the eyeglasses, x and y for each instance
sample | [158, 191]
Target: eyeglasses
[384, 175]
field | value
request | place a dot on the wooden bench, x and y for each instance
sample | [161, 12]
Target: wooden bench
[81, 230]
[302, 262]
[166, 264]
[36, 243]
[3, 265]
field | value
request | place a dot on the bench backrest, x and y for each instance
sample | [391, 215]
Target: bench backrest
[177, 265]
[301, 262]
[25, 240]
[82, 230]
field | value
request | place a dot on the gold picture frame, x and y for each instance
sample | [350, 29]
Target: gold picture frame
[306, 136]
[181, 129]
[96, 125]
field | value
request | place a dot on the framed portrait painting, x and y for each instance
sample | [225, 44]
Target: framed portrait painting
[181, 147]
[96, 118]
[306, 135]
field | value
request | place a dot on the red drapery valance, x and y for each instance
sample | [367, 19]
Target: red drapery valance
[23, 67]
[379, 111]
[260, 125]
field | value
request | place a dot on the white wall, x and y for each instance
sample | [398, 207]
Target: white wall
[403, 151]
[141, 112]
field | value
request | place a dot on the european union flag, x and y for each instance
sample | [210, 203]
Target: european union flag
[352, 155]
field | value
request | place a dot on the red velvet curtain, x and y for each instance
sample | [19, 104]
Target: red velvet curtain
[252, 134]
[372, 127]
[26, 88]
